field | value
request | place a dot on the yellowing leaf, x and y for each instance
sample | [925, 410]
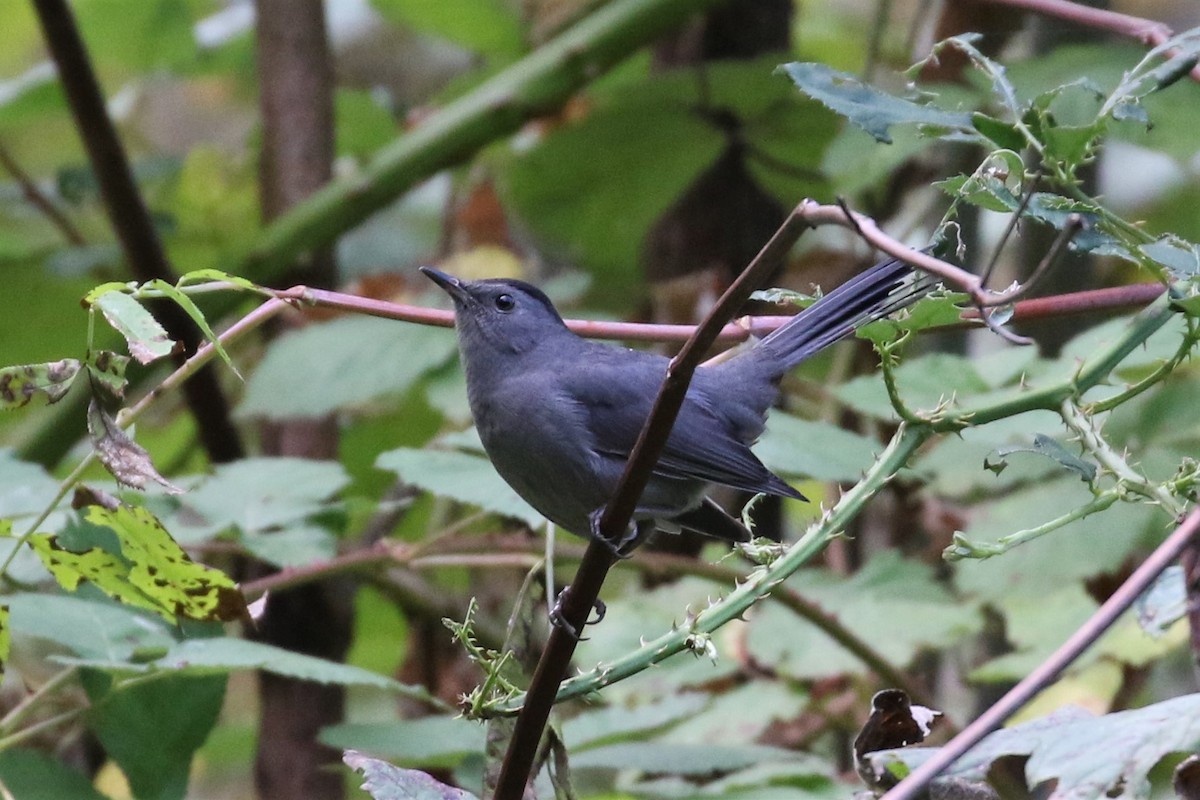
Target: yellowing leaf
[151, 571]
[20, 384]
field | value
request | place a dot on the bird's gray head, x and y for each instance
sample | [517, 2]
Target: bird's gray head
[498, 314]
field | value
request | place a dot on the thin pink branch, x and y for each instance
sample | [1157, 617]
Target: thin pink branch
[1100, 622]
[1088, 301]
[1149, 32]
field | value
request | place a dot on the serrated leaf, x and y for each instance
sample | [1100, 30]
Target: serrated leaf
[147, 339]
[869, 108]
[1003, 134]
[342, 364]
[128, 461]
[386, 782]
[151, 571]
[1087, 757]
[20, 384]
[1178, 256]
[459, 476]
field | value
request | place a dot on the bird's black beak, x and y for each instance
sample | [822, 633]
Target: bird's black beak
[448, 283]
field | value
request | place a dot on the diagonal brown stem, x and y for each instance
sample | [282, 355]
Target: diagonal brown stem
[598, 559]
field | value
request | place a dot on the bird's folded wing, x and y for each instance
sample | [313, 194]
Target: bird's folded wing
[617, 398]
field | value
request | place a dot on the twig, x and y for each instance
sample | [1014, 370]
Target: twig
[1013, 220]
[1040, 678]
[1148, 32]
[585, 589]
[131, 219]
[379, 553]
[1085, 302]
[39, 200]
[129, 415]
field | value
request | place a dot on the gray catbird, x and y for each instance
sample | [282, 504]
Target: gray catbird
[558, 414]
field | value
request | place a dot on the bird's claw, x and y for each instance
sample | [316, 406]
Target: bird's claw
[622, 548]
[559, 621]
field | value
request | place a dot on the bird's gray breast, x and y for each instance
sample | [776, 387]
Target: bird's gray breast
[539, 442]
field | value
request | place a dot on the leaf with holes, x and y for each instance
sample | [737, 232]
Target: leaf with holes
[869, 108]
[143, 567]
[128, 461]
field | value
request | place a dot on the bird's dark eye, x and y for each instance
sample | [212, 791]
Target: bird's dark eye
[505, 302]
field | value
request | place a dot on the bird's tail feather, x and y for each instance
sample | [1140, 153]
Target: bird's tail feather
[883, 289]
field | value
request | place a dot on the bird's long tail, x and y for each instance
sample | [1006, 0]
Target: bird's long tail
[883, 289]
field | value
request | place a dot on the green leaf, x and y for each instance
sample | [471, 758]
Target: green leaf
[441, 742]
[137, 38]
[592, 189]
[490, 27]
[821, 451]
[345, 363]
[1004, 134]
[602, 726]
[679, 759]
[1046, 446]
[20, 384]
[459, 476]
[197, 316]
[363, 125]
[995, 185]
[1097, 544]
[95, 628]
[34, 775]
[153, 729]
[147, 339]
[1179, 257]
[384, 782]
[1085, 756]
[924, 383]
[869, 108]
[219, 655]
[294, 546]
[151, 571]
[260, 495]
[128, 461]
[893, 603]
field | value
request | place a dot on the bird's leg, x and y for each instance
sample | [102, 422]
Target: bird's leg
[623, 548]
[559, 621]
